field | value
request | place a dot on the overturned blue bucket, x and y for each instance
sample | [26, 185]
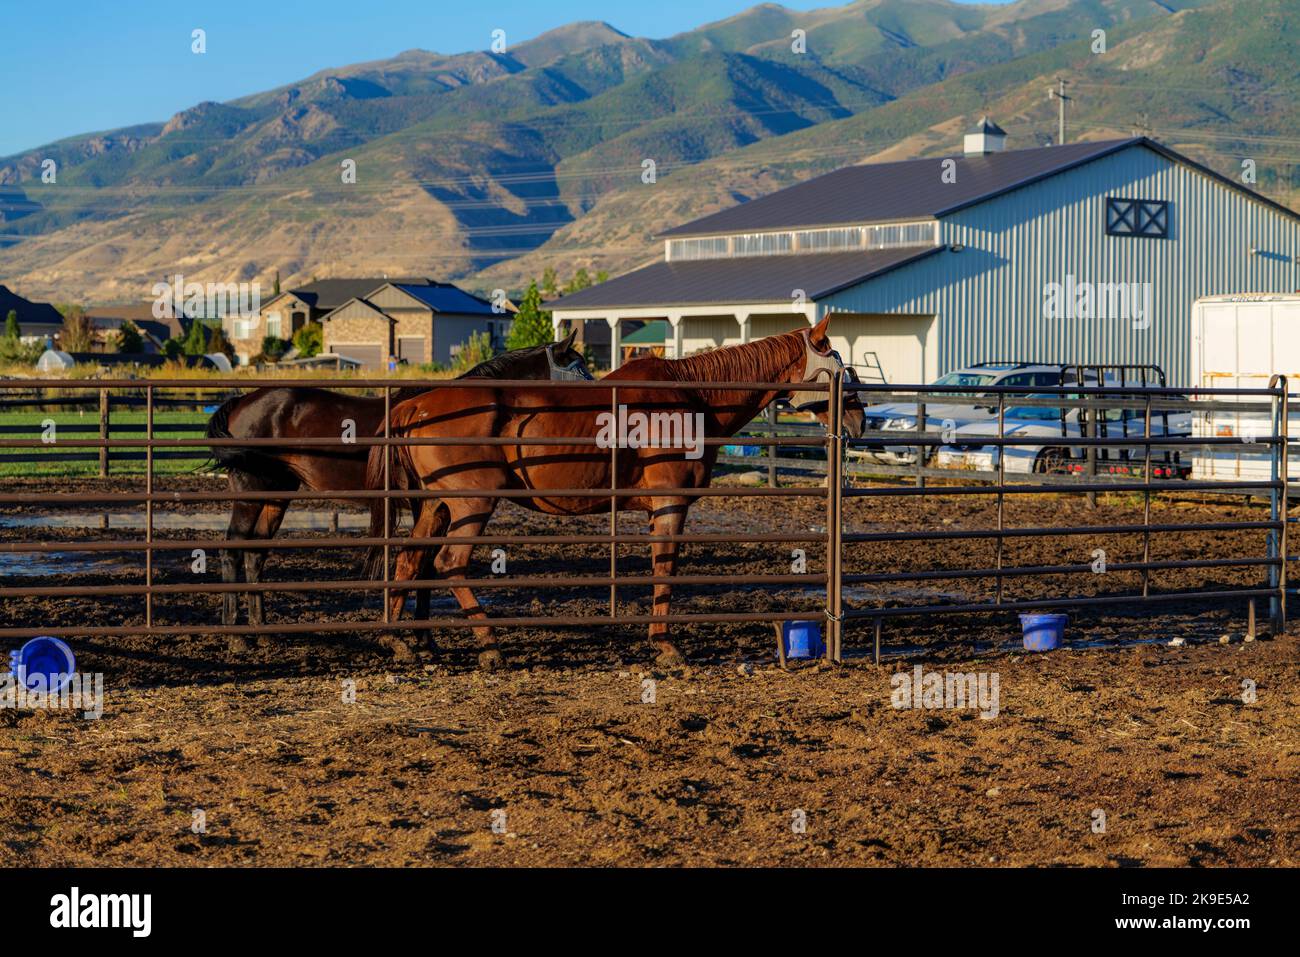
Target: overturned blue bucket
[43, 664]
[802, 639]
[1043, 632]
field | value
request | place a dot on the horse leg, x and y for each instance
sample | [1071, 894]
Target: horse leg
[407, 566]
[468, 517]
[243, 520]
[668, 518]
[268, 523]
[427, 572]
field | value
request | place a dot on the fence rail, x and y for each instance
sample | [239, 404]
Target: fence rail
[152, 442]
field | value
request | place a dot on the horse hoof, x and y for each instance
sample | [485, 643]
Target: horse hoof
[491, 660]
[672, 658]
[400, 649]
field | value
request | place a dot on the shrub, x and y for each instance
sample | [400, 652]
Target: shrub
[309, 340]
[478, 348]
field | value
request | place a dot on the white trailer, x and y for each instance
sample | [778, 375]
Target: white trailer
[1241, 342]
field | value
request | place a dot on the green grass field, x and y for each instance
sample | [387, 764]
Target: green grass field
[56, 460]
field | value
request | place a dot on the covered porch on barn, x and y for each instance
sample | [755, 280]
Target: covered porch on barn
[694, 330]
[882, 347]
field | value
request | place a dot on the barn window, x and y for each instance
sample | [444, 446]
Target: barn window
[1137, 217]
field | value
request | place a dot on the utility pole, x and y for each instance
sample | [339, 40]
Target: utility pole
[1059, 93]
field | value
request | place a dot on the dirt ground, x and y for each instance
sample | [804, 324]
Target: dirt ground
[1116, 751]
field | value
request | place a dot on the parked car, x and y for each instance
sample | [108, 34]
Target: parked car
[1056, 425]
[959, 409]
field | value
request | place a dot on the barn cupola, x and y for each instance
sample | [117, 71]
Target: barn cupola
[986, 137]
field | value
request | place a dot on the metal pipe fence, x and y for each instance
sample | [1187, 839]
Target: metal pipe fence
[843, 489]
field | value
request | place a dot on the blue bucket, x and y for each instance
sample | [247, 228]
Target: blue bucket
[48, 657]
[803, 639]
[1043, 632]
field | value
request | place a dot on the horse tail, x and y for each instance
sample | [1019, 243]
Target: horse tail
[401, 478]
[227, 457]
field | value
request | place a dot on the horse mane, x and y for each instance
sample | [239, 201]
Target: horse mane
[740, 363]
[498, 367]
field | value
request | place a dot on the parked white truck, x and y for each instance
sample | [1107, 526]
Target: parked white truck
[1241, 342]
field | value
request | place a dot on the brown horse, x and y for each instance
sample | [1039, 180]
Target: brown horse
[317, 413]
[567, 412]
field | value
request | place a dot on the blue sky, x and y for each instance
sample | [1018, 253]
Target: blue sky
[88, 65]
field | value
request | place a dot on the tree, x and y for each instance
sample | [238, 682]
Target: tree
[129, 340]
[12, 329]
[478, 348]
[532, 325]
[172, 349]
[309, 340]
[77, 333]
[550, 283]
[579, 282]
[219, 343]
[195, 341]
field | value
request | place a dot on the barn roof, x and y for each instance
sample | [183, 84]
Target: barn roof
[916, 190]
[751, 279]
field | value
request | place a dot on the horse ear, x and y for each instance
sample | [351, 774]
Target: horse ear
[566, 343]
[820, 332]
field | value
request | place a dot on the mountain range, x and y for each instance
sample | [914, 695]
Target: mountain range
[488, 167]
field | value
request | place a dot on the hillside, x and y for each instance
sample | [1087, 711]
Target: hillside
[488, 167]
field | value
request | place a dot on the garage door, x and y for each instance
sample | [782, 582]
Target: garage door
[370, 356]
[411, 348]
[904, 346]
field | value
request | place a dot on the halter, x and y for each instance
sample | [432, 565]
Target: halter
[575, 371]
[816, 363]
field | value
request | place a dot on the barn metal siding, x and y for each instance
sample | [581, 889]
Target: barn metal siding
[989, 298]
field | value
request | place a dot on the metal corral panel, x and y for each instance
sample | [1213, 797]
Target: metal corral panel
[990, 297]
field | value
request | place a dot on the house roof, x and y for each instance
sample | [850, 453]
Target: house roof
[329, 294]
[362, 302]
[444, 297]
[751, 279]
[33, 313]
[915, 190]
[111, 317]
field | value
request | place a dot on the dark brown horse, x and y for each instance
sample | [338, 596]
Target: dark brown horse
[568, 412]
[283, 413]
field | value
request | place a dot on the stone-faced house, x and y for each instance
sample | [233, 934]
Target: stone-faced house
[415, 323]
[417, 319]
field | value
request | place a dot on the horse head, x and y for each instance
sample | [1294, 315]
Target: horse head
[567, 363]
[822, 362]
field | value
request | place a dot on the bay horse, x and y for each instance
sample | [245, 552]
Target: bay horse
[287, 413]
[568, 412]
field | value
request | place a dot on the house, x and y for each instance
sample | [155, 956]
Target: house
[1082, 253]
[414, 323]
[416, 320]
[107, 321]
[37, 321]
